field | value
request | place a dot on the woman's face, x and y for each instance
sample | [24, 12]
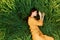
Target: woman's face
[34, 13]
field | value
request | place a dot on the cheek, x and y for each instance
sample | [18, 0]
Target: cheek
[35, 14]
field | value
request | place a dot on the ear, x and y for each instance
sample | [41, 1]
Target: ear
[40, 15]
[43, 14]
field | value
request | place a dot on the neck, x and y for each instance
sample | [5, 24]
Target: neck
[31, 15]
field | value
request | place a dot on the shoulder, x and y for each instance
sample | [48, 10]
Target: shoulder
[31, 19]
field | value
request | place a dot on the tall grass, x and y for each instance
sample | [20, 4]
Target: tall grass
[12, 13]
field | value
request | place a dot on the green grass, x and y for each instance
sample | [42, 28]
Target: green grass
[12, 13]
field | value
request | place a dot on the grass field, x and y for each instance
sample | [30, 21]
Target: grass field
[13, 12]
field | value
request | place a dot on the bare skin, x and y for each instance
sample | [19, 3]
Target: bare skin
[35, 31]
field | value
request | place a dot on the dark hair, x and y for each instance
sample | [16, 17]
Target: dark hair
[36, 17]
[32, 10]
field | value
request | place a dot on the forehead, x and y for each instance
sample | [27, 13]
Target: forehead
[34, 11]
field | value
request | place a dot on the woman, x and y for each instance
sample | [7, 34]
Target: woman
[34, 20]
